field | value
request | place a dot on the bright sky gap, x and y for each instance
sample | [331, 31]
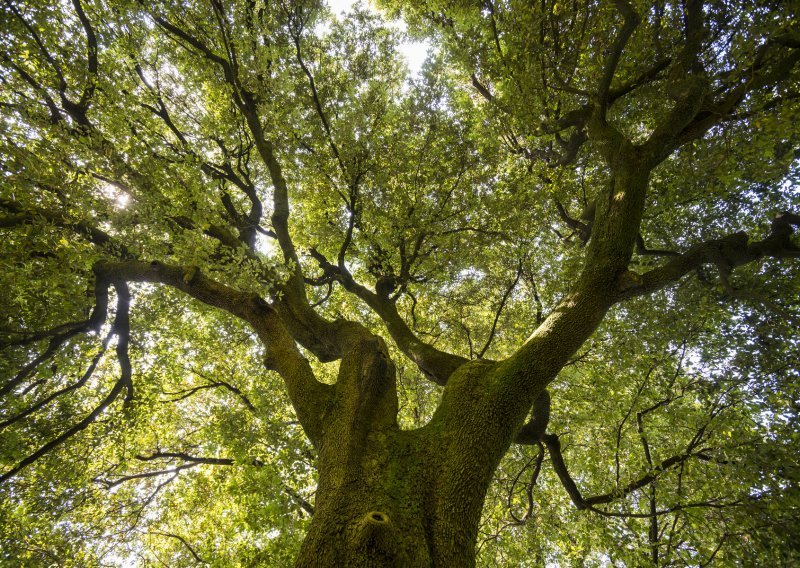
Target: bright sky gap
[414, 52]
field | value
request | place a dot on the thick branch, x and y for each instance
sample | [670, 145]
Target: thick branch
[726, 253]
[697, 111]
[309, 397]
[616, 225]
[435, 364]
[583, 230]
[304, 324]
[630, 22]
[533, 431]
[557, 459]
[245, 102]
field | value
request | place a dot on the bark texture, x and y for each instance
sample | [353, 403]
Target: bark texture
[393, 498]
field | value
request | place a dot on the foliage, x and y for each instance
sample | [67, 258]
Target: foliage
[286, 154]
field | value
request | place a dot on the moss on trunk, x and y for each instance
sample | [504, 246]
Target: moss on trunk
[392, 498]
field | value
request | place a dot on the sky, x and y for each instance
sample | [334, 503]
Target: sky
[414, 52]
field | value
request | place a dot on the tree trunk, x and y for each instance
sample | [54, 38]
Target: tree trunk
[392, 498]
[404, 498]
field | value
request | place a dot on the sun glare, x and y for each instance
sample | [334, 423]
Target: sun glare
[414, 52]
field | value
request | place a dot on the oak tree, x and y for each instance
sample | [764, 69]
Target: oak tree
[267, 297]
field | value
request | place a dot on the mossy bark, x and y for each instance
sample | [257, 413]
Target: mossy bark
[393, 498]
[388, 497]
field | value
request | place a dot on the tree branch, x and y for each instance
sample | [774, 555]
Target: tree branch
[630, 20]
[304, 324]
[196, 460]
[121, 328]
[697, 110]
[60, 335]
[499, 311]
[714, 504]
[66, 390]
[246, 225]
[191, 550]
[554, 447]
[295, 30]
[309, 397]
[31, 214]
[185, 457]
[435, 364]
[211, 384]
[726, 253]
[91, 56]
[533, 432]
[146, 475]
[560, 467]
[537, 468]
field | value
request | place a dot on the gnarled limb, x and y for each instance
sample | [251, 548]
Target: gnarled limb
[121, 328]
[435, 364]
[727, 253]
[697, 110]
[630, 20]
[303, 323]
[309, 397]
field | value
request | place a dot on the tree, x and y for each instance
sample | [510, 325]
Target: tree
[261, 288]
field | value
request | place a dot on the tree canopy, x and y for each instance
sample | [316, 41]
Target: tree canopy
[266, 296]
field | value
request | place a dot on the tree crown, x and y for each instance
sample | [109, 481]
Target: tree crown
[206, 205]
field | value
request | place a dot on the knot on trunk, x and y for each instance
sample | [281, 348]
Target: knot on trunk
[377, 517]
[377, 534]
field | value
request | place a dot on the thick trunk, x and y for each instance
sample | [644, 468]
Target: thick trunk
[393, 498]
[373, 515]
[368, 506]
